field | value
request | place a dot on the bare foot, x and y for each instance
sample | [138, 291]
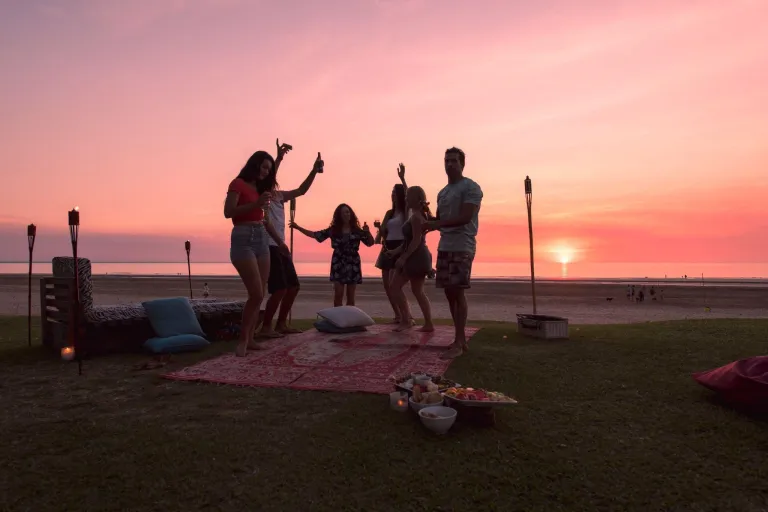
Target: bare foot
[403, 327]
[284, 329]
[395, 321]
[454, 351]
[268, 333]
[427, 328]
[260, 319]
[256, 346]
[241, 349]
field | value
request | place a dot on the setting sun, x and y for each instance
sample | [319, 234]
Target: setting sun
[563, 254]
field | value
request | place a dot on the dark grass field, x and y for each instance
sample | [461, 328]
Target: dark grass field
[610, 420]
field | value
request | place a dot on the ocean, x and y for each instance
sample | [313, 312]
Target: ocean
[750, 272]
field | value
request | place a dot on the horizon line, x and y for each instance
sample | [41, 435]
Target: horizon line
[476, 261]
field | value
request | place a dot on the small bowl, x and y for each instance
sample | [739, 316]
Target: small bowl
[442, 424]
[422, 381]
[417, 406]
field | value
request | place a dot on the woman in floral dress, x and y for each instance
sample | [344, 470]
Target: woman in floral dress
[345, 234]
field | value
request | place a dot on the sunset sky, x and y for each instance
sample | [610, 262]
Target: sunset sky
[643, 124]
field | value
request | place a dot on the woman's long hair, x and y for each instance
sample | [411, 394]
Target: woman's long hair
[270, 182]
[399, 204]
[337, 223]
[250, 172]
[424, 205]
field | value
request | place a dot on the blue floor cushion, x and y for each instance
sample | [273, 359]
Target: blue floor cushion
[175, 344]
[170, 317]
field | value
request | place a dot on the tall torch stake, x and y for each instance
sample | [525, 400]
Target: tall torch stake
[31, 233]
[528, 200]
[293, 219]
[74, 233]
[187, 247]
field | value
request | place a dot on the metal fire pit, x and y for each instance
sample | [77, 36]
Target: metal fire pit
[543, 326]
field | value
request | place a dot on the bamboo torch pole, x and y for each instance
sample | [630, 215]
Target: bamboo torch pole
[528, 201]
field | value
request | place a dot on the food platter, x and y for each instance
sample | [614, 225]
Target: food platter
[484, 399]
[405, 384]
[476, 403]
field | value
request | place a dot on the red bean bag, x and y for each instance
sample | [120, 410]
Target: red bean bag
[742, 383]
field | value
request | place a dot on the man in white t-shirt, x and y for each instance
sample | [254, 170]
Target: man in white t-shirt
[283, 283]
[458, 208]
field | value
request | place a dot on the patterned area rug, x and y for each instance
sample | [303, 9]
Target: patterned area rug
[362, 362]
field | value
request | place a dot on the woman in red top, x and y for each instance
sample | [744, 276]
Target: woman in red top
[247, 198]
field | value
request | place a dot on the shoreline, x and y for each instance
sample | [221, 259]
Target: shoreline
[757, 282]
[582, 302]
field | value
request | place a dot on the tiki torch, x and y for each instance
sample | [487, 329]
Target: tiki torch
[31, 233]
[74, 232]
[293, 219]
[187, 247]
[528, 201]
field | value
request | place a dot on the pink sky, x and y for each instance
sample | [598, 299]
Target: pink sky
[642, 124]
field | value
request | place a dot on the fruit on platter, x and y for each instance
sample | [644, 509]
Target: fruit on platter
[480, 395]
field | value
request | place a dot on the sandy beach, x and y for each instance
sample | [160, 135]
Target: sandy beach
[580, 302]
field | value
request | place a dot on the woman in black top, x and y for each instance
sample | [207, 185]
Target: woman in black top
[413, 261]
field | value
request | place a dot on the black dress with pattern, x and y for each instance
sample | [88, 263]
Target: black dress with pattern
[345, 262]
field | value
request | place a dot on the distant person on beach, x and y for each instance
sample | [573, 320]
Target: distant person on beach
[283, 282]
[629, 293]
[413, 262]
[206, 291]
[390, 236]
[345, 234]
[247, 198]
[458, 206]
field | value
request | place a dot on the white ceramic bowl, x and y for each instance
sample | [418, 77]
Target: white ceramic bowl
[417, 406]
[442, 424]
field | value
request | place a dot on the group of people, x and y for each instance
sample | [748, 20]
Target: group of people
[256, 205]
[639, 294]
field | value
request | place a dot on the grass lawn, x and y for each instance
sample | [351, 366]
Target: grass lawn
[610, 420]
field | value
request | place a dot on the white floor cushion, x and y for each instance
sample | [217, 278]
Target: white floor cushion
[346, 316]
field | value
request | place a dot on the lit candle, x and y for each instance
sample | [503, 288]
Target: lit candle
[398, 401]
[68, 353]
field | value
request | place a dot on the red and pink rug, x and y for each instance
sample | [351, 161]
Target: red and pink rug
[362, 362]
